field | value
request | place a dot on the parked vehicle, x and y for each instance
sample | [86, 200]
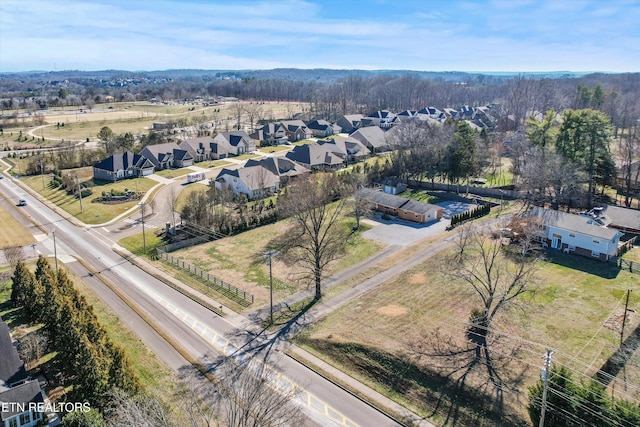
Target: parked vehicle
[22, 202]
[196, 176]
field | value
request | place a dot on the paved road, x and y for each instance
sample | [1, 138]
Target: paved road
[203, 334]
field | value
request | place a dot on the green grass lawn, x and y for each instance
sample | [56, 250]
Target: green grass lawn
[213, 163]
[92, 212]
[174, 173]
[247, 270]
[135, 243]
[404, 323]
[274, 148]
[421, 196]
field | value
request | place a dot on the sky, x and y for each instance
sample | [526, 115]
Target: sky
[425, 35]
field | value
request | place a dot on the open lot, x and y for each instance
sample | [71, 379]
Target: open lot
[239, 261]
[395, 337]
[12, 233]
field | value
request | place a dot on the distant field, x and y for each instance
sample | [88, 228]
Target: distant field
[12, 233]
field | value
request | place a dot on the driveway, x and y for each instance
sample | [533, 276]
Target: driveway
[399, 232]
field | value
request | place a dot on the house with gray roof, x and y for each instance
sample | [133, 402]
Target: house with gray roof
[350, 122]
[583, 235]
[122, 166]
[321, 128]
[316, 156]
[17, 389]
[255, 181]
[372, 137]
[169, 155]
[281, 166]
[199, 148]
[624, 219]
[235, 142]
[349, 149]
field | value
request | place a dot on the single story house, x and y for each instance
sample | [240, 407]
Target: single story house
[254, 181]
[121, 166]
[577, 233]
[407, 209]
[623, 219]
[316, 156]
[372, 137]
[169, 155]
[17, 389]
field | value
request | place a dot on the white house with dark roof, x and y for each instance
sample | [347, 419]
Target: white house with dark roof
[254, 181]
[17, 389]
[583, 235]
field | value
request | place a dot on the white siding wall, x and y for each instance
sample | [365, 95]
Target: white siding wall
[579, 240]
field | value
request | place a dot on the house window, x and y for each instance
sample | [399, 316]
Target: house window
[25, 418]
[572, 235]
[595, 254]
[13, 422]
[596, 241]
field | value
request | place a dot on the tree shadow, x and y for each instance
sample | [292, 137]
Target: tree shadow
[439, 394]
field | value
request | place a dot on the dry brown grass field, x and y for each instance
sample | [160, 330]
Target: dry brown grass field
[12, 233]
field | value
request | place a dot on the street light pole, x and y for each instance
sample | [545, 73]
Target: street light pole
[55, 249]
[144, 239]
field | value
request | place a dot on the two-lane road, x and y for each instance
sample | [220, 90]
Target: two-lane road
[199, 331]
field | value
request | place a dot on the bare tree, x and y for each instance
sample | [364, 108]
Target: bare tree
[253, 110]
[171, 202]
[142, 410]
[317, 235]
[33, 346]
[13, 255]
[498, 274]
[629, 151]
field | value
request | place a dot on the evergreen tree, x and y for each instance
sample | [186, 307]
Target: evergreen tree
[462, 156]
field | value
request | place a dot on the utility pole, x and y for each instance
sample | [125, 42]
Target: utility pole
[144, 239]
[624, 318]
[269, 254]
[55, 250]
[79, 193]
[545, 380]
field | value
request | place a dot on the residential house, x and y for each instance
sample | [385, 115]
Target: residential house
[283, 167]
[624, 219]
[296, 130]
[407, 209]
[372, 137]
[122, 166]
[255, 181]
[350, 122]
[383, 119]
[270, 133]
[583, 235]
[432, 113]
[17, 390]
[321, 128]
[199, 148]
[169, 155]
[237, 141]
[629, 172]
[316, 156]
[350, 149]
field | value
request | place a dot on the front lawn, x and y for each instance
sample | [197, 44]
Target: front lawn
[174, 173]
[92, 212]
[12, 233]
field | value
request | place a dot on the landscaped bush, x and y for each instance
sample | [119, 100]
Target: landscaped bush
[476, 213]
